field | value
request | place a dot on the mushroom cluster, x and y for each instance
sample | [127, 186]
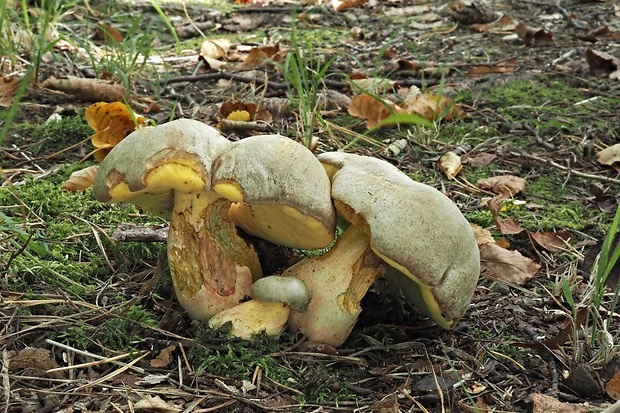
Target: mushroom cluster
[273, 188]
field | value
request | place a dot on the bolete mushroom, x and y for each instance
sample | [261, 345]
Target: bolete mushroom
[273, 298]
[397, 226]
[188, 172]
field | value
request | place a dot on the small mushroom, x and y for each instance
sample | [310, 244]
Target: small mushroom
[289, 290]
[206, 185]
[269, 310]
[397, 226]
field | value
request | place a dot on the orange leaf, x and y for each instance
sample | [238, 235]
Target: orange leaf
[112, 122]
[367, 107]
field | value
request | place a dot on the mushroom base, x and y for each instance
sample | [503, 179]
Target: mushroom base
[337, 282]
[212, 267]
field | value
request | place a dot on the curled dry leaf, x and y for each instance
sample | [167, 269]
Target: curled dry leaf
[155, 404]
[610, 155]
[534, 37]
[370, 108]
[500, 263]
[214, 52]
[430, 106]
[90, 90]
[612, 387]
[340, 5]
[506, 185]
[80, 180]
[108, 33]
[8, 88]
[112, 122]
[257, 55]
[603, 62]
[472, 11]
[450, 164]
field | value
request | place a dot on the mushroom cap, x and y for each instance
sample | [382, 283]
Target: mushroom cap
[289, 290]
[280, 191]
[413, 227]
[152, 162]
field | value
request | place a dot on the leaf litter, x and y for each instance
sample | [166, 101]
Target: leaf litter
[510, 183]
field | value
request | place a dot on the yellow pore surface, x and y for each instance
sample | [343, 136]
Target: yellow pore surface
[176, 176]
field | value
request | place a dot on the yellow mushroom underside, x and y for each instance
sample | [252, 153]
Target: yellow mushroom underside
[279, 223]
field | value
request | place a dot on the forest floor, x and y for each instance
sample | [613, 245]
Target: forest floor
[89, 323]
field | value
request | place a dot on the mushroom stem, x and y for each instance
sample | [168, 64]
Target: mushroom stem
[337, 282]
[207, 256]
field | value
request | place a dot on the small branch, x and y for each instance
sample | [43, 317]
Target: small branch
[140, 234]
[518, 152]
[247, 79]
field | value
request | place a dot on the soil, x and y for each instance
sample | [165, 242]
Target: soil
[532, 107]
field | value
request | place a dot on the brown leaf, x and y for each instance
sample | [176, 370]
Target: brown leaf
[80, 180]
[481, 159]
[533, 36]
[603, 62]
[500, 263]
[107, 33]
[164, 358]
[8, 88]
[612, 387]
[340, 5]
[505, 185]
[368, 107]
[91, 90]
[505, 66]
[506, 265]
[551, 241]
[503, 23]
[36, 360]
[431, 107]
[566, 334]
[257, 55]
[507, 226]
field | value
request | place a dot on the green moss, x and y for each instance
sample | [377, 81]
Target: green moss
[50, 137]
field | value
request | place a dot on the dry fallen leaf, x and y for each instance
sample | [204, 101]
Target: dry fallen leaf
[257, 55]
[8, 87]
[450, 164]
[500, 263]
[609, 155]
[164, 358]
[90, 90]
[155, 404]
[506, 185]
[80, 180]
[552, 241]
[604, 62]
[612, 387]
[429, 106]
[107, 33]
[533, 36]
[340, 5]
[370, 108]
[112, 122]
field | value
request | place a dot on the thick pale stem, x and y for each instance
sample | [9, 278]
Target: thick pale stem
[212, 267]
[337, 282]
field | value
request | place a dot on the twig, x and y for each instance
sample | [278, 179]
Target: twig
[518, 152]
[246, 79]
[97, 356]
